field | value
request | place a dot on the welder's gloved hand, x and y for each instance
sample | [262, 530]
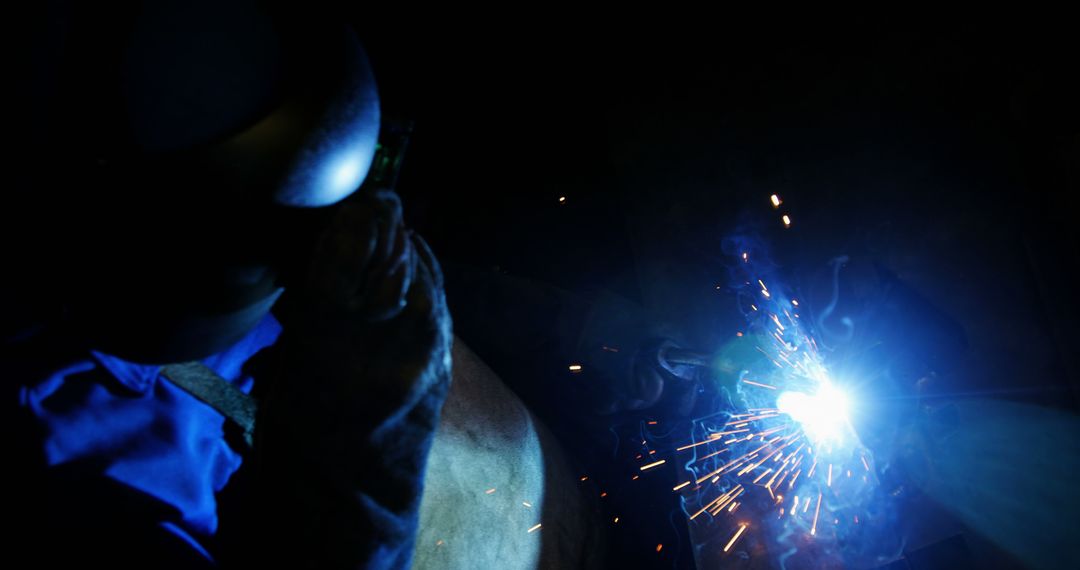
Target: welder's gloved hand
[363, 367]
[365, 262]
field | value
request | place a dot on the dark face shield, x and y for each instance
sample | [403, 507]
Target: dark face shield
[172, 226]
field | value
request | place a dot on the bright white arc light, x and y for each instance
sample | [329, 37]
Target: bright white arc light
[823, 415]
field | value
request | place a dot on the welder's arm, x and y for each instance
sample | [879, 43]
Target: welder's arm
[363, 368]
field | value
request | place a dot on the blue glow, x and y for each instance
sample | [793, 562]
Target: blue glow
[347, 174]
[822, 415]
[324, 177]
[779, 447]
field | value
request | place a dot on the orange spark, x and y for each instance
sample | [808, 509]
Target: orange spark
[736, 537]
[712, 437]
[777, 321]
[720, 501]
[791, 484]
[653, 464]
[713, 454]
[817, 511]
[778, 472]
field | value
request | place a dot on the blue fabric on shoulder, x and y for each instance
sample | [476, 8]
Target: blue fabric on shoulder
[122, 420]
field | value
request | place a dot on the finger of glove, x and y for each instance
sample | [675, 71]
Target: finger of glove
[384, 292]
[364, 262]
[427, 259]
[426, 296]
[390, 221]
[364, 230]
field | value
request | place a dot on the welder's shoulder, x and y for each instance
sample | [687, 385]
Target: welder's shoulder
[68, 514]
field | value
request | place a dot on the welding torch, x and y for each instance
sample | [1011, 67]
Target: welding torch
[696, 372]
[671, 356]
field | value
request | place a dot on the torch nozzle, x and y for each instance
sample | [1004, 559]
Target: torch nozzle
[674, 356]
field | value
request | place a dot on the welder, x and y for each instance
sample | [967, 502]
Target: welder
[197, 164]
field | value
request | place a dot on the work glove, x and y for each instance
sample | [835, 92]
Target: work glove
[362, 369]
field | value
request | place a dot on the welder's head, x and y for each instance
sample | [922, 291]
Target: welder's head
[194, 148]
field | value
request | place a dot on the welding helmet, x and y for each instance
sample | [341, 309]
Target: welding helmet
[193, 148]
